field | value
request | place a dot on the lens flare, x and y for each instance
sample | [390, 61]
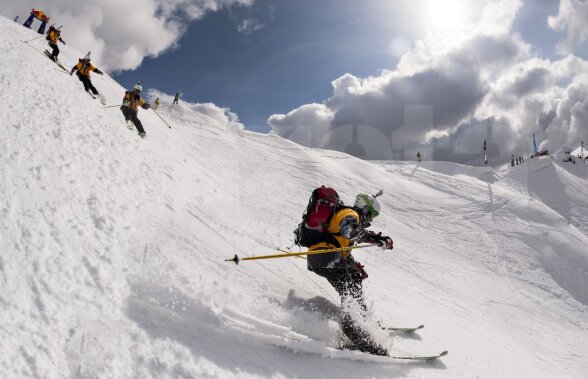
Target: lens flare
[445, 16]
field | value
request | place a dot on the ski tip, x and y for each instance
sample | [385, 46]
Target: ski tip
[435, 357]
[421, 358]
[444, 353]
[404, 330]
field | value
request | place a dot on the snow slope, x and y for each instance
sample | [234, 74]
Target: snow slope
[112, 249]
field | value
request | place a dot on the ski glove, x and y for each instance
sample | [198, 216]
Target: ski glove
[373, 237]
[384, 242]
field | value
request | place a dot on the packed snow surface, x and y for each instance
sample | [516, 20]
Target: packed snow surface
[112, 248]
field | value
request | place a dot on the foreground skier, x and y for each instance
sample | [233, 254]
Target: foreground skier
[347, 226]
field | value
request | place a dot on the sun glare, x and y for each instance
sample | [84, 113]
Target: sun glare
[445, 15]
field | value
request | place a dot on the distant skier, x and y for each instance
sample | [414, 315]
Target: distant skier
[512, 161]
[130, 107]
[156, 104]
[16, 19]
[177, 97]
[54, 35]
[347, 227]
[83, 68]
[418, 156]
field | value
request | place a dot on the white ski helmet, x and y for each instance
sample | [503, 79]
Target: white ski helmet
[137, 87]
[368, 205]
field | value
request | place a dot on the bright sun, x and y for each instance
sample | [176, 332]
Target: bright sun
[445, 15]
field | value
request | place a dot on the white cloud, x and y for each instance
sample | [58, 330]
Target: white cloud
[306, 125]
[249, 25]
[121, 34]
[572, 18]
[571, 116]
[447, 94]
[185, 111]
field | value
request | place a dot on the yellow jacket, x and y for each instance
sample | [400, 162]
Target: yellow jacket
[53, 36]
[132, 101]
[334, 229]
[84, 69]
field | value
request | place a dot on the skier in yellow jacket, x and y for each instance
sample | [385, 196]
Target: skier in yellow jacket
[54, 35]
[130, 107]
[349, 226]
[84, 68]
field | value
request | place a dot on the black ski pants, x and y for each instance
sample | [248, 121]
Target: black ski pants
[347, 283]
[131, 114]
[55, 51]
[87, 83]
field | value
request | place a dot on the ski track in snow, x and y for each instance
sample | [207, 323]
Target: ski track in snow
[113, 247]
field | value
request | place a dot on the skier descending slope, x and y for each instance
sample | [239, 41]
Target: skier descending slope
[345, 226]
[130, 107]
[54, 35]
[83, 68]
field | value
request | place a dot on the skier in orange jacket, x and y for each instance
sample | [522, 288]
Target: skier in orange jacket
[54, 35]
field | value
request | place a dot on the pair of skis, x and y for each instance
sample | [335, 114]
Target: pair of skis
[301, 343]
[48, 54]
[284, 337]
[413, 357]
[401, 357]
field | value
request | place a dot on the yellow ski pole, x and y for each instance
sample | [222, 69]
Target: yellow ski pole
[236, 258]
[288, 252]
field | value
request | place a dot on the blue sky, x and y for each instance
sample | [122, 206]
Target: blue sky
[531, 22]
[302, 46]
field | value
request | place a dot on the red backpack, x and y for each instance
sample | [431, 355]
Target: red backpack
[323, 204]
